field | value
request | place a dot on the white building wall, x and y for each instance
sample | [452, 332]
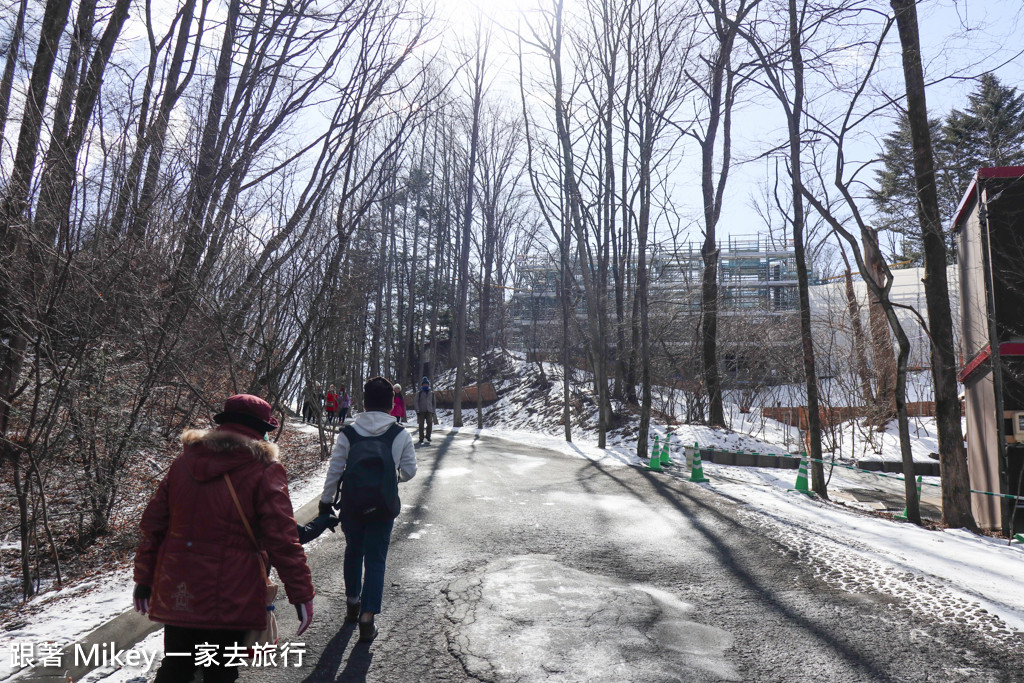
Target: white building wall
[830, 316]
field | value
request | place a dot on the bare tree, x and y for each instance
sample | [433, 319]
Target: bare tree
[837, 135]
[476, 94]
[956, 503]
[789, 91]
[499, 179]
[10, 64]
[718, 87]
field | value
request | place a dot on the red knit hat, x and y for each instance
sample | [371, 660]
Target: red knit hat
[249, 411]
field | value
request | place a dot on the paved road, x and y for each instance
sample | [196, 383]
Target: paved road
[510, 563]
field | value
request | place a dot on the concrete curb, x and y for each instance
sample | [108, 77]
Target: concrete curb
[124, 631]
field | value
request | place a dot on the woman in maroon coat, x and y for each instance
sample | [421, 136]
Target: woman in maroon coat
[196, 568]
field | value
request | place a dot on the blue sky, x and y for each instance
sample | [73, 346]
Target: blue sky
[960, 40]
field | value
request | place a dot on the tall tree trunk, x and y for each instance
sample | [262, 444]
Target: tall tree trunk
[628, 324]
[720, 94]
[881, 342]
[485, 306]
[157, 133]
[10, 63]
[15, 201]
[574, 200]
[956, 501]
[642, 280]
[207, 164]
[56, 155]
[403, 279]
[467, 223]
[408, 372]
[564, 296]
[14, 238]
[390, 278]
[442, 244]
[859, 340]
[59, 170]
[21, 492]
[799, 251]
[374, 362]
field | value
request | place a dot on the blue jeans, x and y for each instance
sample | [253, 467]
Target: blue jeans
[366, 543]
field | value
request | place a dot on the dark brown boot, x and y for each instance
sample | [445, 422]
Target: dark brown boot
[367, 631]
[351, 612]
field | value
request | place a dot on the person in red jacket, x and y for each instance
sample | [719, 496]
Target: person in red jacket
[398, 406]
[331, 404]
[196, 568]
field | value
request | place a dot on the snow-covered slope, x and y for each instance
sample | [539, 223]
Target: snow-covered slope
[531, 399]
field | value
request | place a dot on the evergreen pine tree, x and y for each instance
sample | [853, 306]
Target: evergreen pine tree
[895, 198]
[989, 133]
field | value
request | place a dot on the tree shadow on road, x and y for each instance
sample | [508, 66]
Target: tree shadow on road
[732, 561]
[423, 495]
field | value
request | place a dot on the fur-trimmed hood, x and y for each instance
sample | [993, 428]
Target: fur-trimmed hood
[211, 453]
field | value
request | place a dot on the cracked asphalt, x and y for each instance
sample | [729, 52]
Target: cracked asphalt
[510, 563]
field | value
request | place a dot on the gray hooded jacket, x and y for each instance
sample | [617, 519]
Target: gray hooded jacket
[370, 423]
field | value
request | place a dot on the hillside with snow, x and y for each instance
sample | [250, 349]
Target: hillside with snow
[530, 398]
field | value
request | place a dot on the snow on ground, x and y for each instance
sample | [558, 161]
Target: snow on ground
[951, 574]
[302, 490]
[68, 614]
[530, 397]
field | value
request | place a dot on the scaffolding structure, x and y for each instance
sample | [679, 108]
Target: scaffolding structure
[755, 273]
[756, 276]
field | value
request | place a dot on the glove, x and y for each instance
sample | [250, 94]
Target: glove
[305, 612]
[332, 521]
[141, 598]
[324, 509]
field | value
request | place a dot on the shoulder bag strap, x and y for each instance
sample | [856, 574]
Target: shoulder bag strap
[248, 529]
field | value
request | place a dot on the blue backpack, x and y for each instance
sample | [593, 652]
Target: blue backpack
[369, 486]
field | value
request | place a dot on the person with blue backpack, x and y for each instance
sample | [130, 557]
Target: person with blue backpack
[370, 457]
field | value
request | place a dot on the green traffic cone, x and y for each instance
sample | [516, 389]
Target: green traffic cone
[655, 463]
[903, 515]
[697, 473]
[801, 477]
[666, 458]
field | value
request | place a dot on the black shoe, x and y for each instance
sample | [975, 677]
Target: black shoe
[367, 631]
[352, 612]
